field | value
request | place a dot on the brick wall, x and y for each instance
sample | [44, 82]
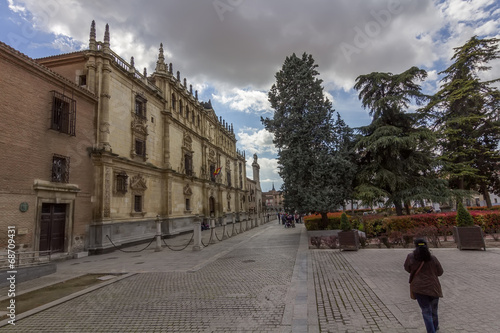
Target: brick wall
[27, 143]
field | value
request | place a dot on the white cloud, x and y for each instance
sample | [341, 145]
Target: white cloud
[255, 140]
[250, 101]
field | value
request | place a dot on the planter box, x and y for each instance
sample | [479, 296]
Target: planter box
[349, 240]
[469, 238]
[320, 233]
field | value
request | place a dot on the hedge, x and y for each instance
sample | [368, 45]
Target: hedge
[378, 225]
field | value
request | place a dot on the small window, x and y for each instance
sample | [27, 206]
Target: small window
[140, 147]
[121, 182]
[228, 178]
[60, 169]
[138, 203]
[173, 102]
[199, 122]
[187, 112]
[180, 108]
[140, 107]
[82, 80]
[188, 204]
[63, 113]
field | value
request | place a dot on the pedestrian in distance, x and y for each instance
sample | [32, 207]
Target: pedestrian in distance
[425, 269]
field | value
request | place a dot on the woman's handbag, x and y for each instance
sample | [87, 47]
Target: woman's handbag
[412, 276]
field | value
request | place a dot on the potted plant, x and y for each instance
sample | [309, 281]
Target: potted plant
[348, 238]
[467, 235]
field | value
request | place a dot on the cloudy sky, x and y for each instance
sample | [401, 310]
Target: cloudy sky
[229, 50]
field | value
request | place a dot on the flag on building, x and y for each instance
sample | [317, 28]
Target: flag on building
[217, 171]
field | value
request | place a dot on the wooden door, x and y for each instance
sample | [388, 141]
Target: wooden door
[52, 227]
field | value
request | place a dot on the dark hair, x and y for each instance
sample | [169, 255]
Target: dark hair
[421, 252]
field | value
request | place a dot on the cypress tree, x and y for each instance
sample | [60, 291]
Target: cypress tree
[316, 173]
[464, 218]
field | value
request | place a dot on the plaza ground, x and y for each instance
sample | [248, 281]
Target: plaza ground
[265, 280]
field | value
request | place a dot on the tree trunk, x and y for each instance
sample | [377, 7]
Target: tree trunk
[407, 208]
[324, 221]
[352, 207]
[486, 195]
[399, 208]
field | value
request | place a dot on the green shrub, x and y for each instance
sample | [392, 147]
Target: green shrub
[345, 224]
[464, 218]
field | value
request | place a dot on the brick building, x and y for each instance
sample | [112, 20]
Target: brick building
[46, 176]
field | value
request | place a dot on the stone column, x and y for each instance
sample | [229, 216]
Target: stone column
[197, 246]
[158, 234]
[212, 230]
[224, 236]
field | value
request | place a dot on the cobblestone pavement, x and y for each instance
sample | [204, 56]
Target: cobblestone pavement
[266, 280]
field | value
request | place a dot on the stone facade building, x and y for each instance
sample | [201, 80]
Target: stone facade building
[155, 152]
[46, 130]
[273, 200]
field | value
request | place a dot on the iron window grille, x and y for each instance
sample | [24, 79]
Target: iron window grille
[140, 107]
[188, 164]
[60, 169]
[138, 203]
[140, 147]
[63, 114]
[122, 182]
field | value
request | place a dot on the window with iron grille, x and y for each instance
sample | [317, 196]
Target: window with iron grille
[188, 164]
[140, 106]
[63, 113]
[212, 173]
[60, 169]
[140, 147]
[137, 203]
[121, 182]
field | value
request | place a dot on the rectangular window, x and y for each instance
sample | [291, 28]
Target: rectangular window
[60, 169]
[188, 204]
[212, 171]
[140, 147]
[137, 203]
[82, 80]
[140, 107]
[121, 182]
[228, 178]
[63, 114]
[188, 164]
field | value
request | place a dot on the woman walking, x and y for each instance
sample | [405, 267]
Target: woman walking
[424, 269]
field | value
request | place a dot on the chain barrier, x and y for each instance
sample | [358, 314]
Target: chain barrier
[183, 247]
[217, 237]
[234, 232]
[211, 237]
[131, 251]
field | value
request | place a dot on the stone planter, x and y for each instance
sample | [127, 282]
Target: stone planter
[320, 233]
[469, 238]
[349, 240]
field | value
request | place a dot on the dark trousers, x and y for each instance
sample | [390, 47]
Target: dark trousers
[429, 307]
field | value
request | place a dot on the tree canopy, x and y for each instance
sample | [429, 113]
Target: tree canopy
[465, 113]
[396, 149]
